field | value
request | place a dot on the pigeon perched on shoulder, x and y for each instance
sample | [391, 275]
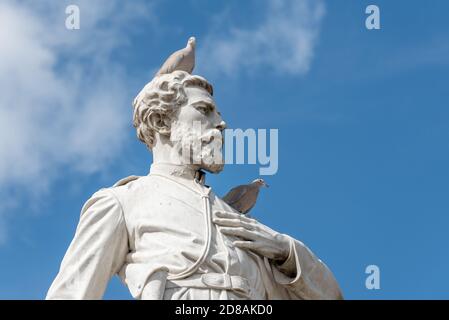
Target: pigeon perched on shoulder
[183, 59]
[243, 198]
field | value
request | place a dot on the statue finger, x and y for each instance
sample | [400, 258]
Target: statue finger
[233, 215]
[245, 245]
[239, 232]
[233, 223]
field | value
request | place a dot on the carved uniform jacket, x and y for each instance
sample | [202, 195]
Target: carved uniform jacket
[155, 232]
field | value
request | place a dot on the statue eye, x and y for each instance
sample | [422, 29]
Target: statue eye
[203, 109]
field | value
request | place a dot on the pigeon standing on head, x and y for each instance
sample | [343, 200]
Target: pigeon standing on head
[183, 59]
[243, 198]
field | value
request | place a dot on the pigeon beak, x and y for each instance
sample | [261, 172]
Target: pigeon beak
[266, 185]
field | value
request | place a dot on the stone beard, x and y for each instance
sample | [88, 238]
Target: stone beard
[167, 235]
[193, 147]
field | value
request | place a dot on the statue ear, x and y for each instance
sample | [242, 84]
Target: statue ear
[160, 122]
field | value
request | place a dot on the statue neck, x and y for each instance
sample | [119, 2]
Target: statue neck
[175, 170]
[167, 161]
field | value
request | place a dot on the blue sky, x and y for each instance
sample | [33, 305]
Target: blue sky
[362, 115]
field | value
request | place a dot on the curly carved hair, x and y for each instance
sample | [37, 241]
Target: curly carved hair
[163, 95]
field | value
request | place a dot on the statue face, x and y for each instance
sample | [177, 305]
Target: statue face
[196, 131]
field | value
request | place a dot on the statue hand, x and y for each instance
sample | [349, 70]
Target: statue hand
[254, 235]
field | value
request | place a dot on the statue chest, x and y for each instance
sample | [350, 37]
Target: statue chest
[165, 216]
[166, 221]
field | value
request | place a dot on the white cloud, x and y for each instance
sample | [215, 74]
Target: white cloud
[63, 98]
[283, 41]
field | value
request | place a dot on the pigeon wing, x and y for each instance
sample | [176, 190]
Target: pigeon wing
[172, 62]
[233, 196]
[249, 201]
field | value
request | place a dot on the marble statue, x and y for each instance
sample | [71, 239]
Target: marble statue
[167, 235]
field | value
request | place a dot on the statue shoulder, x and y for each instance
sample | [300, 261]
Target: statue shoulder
[132, 188]
[124, 189]
[126, 180]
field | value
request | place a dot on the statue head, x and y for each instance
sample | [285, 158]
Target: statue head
[176, 117]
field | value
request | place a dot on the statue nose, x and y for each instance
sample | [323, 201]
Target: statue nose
[221, 126]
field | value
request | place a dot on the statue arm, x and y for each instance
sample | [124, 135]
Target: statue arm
[96, 252]
[305, 276]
